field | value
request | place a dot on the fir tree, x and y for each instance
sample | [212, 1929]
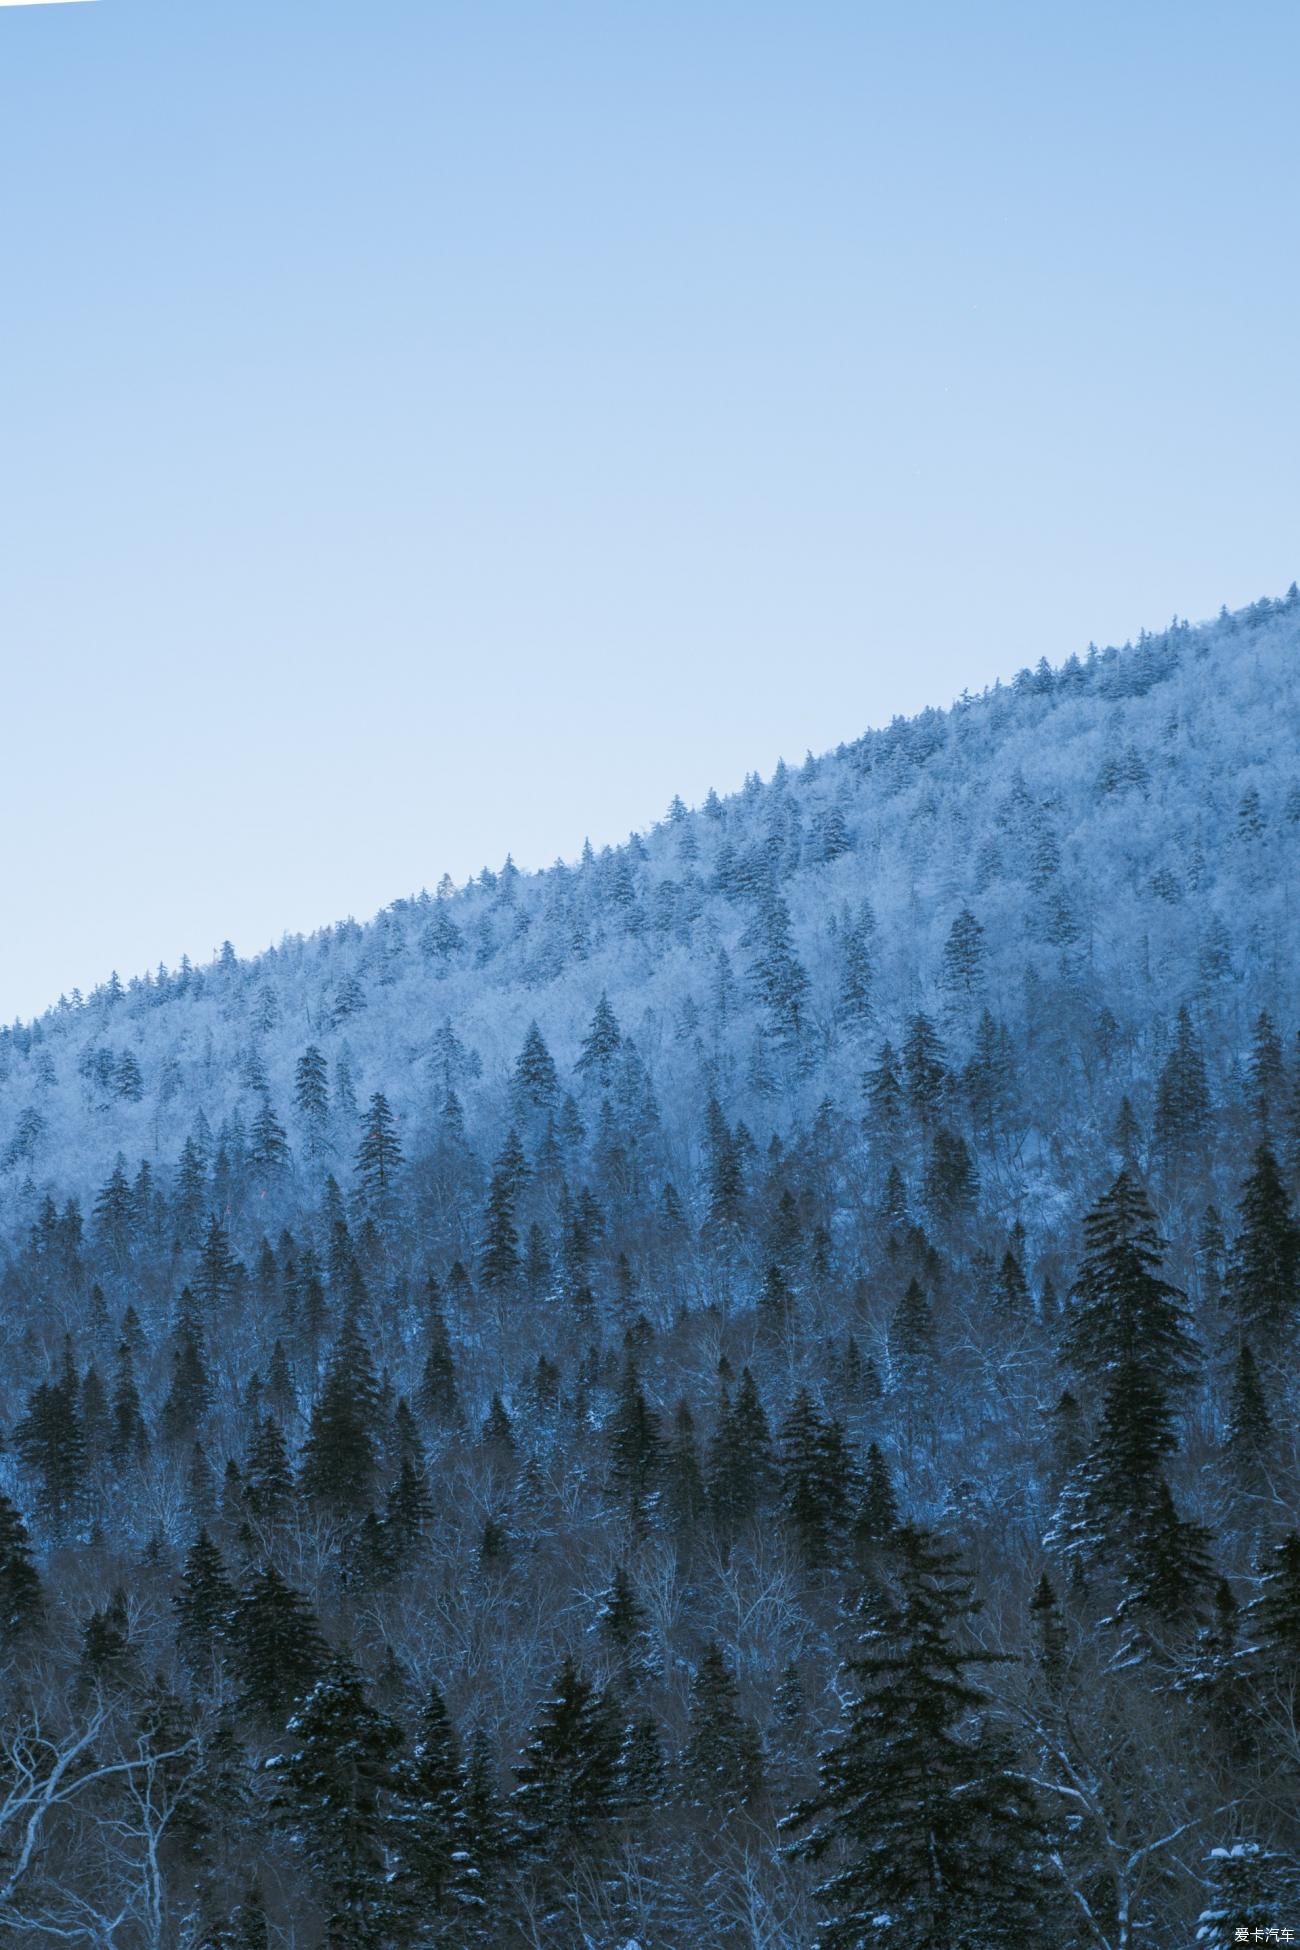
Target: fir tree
[742, 1469]
[567, 1773]
[536, 1081]
[437, 1874]
[204, 1605]
[311, 1098]
[921, 1815]
[278, 1649]
[336, 1788]
[723, 1758]
[1182, 1119]
[379, 1156]
[816, 1481]
[600, 1045]
[22, 1603]
[1264, 1279]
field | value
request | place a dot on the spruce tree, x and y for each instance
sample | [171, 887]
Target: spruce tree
[742, 1474]
[567, 1773]
[437, 1876]
[600, 1045]
[1264, 1277]
[536, 1081]
[278, 1649]
[336, 1789]
[921, 1816]
[816, 1481]
[22, 1603]
[1182, 1119]
[379, 1155]
[723, 1758]
[204, 1605]
[1128, 1335]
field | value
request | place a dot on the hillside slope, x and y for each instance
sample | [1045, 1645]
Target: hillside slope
[655, 1264]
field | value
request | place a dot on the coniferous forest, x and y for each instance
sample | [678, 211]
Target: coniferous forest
[739, 1393]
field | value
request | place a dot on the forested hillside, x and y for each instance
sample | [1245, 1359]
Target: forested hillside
[740, 1392]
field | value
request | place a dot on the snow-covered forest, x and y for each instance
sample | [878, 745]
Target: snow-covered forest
[740, 1392]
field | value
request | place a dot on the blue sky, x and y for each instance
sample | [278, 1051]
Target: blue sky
[432, 430]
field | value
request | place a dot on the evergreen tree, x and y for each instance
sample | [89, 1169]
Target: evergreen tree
[1275, 1624]
[742, 1470]
[1264, 1279]
[1128, 1334]
[1250, 1425]
[536, 1080]
[635, 1444]
[567, 1773]
[278, 1649]
[600, 1045]
[204, 1605]
[925, 1069]
[336, 1788]
[379, 1156]
[499, 1253]
[1182, 1119]
[51, 1442]
[962, 971]
[269, 1148]
[921, 1815]
[1250, 1888]
[437, 1875]
[723, 1757]
[876, 1518]
[816, 1481]
[311, 1097]
[22, 1603]
[338, 1462]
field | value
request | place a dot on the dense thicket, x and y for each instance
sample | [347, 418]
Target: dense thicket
[738, 1393]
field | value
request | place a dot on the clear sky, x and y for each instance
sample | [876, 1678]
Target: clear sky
[429, 429]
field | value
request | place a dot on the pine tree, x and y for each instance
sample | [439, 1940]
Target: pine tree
[1182, 1119]
[190, 1394]
[204, 1605]
[600, 1045]
[51, 1442]
[1250, 1887]
[268, 1475]
[278, 1649]
[499, 1252]
[311, 1098]
[536, 1080]
[1250, 1425]
[925, 1070]
[1275, 1624]
[1128, 1334]
[437, 1875]
[379, 1156]
[22, 1602]
[567, 1773]
[336, 1789]
[921, 1815]
[742, 1470]
[635, 1444]
[437, 1396]
[722, 1761]
[816, 1481]
[338, 1461]
[129, 1436]
[854, 1007]
[269, 1148]
[962, 972]
[876, 1517]
[1264, 1278]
